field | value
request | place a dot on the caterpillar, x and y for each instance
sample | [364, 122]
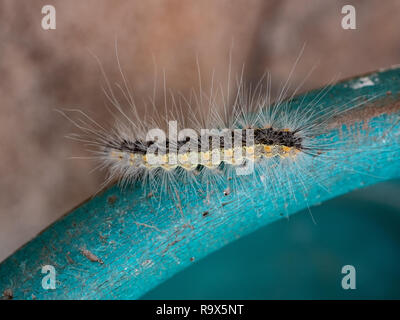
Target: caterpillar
[251, 139]
[268, 142]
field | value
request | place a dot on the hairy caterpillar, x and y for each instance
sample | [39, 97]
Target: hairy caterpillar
[251, 139]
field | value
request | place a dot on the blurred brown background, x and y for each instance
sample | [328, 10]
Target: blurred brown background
[43, 70]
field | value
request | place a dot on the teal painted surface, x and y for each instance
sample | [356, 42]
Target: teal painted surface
[142, 243]
[297, 259]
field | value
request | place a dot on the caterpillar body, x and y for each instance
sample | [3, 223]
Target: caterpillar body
[268, 143]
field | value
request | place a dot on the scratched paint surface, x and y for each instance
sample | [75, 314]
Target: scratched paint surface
[121, 244]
